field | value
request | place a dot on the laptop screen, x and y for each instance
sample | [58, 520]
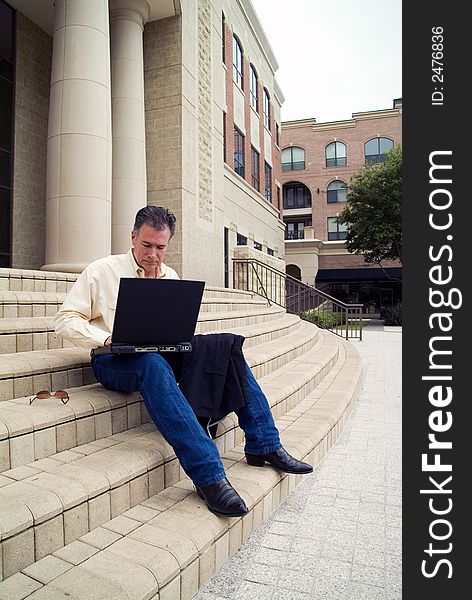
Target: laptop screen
[156, 311]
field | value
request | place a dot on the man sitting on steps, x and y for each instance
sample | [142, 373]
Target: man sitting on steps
[86, 319]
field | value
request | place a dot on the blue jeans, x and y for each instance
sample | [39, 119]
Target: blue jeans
[152, 375]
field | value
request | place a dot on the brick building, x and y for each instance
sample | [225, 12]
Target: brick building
[318, 160]
[107, 105]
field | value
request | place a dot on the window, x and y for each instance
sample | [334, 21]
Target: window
[257, 246]
[253, 89]
[237, 63]
[277, 134]
[238, 152]
[278, 198]
[295, 230]
[223, 37]
[268, 182]
[335, 154]
[336, 231]
[224, 137]
[337, 192]
[266, 109]
[255, 179]
[241, 240]
[7, 57]
[293, 159]
[226, 249]
[270, 252]
[296, 195]
[375, 150]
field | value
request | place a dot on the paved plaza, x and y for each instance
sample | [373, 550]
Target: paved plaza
[338, 535]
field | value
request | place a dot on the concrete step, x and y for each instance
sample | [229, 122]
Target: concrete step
[266, 357]
[230, 304]
[47, 427]
[116, 471]
[90, 491]
[229, 320]
[221, 292]
[22, 334]
[46, 304]
[35, 281]
[47, 281]
[30, 304]
[167, 543]
[271, 351]
[24, 373]
[259, 333]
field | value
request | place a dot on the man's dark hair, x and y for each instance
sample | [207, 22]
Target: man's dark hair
[157, 217]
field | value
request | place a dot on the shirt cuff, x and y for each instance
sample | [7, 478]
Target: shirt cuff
[103, 338]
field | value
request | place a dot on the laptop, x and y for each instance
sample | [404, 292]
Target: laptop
[154, 315]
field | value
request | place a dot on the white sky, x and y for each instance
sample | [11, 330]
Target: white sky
[335, 57]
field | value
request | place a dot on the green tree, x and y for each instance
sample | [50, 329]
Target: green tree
[373, 210]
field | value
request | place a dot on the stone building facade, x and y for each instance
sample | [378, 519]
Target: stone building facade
[318, 160]
[113, 104]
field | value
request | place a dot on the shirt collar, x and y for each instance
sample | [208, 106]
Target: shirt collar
[139, 271]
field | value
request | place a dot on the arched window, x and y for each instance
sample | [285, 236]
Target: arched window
[296, 195]
[375, 150]
[335, 154]
[294, 271]
[253, 96]
[337, 192]
[293, 159]
[266, 109]
[237, 62]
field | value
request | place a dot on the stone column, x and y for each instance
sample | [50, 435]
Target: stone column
[78, 187]
[127, 20]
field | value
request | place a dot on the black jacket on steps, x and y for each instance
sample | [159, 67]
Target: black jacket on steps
[213, 376]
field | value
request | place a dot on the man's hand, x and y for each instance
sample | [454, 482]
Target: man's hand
[108, 341]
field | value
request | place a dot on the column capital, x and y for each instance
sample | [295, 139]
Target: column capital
[131, 10]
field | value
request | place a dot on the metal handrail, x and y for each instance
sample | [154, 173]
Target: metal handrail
[296, 297]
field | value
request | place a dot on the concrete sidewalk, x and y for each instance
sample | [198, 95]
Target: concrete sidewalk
[338, 535]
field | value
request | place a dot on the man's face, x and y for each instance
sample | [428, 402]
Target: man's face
[150, 246]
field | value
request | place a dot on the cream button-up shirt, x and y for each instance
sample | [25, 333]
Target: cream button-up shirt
[86, 317]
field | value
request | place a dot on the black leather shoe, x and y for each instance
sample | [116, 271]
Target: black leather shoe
[281, 460]
[222, 499]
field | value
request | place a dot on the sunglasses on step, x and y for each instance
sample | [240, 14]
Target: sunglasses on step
[45, 394]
